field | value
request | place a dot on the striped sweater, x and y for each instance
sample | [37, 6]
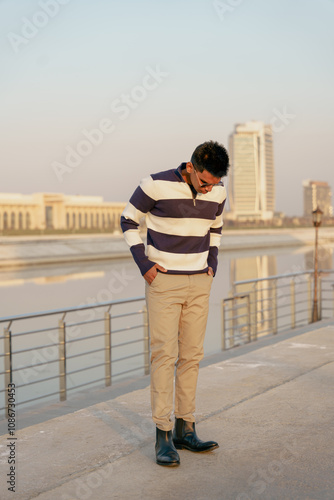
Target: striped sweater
[183, 226]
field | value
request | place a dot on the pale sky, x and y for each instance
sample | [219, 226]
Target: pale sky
[159, 78]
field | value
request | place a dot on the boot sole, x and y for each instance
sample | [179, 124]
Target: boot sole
[184, 447]
[164, 464]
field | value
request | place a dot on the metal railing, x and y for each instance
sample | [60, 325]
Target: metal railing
[274, 304]
[237, 332]
[51, 368]
[61, 359]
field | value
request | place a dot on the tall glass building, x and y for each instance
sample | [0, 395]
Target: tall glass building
[317, 194]
[252, 177]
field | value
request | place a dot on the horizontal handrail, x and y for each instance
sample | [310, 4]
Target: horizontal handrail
[69, 309]
[32, 332]
[284, 275]
[236, 296]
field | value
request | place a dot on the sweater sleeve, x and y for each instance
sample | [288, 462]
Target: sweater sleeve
[139, 204]
[215, 237]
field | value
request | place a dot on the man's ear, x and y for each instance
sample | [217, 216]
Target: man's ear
[189, 167]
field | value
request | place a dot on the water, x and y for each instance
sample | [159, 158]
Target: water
[52, 287]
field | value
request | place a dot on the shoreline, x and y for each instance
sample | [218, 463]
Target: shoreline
[25, 251]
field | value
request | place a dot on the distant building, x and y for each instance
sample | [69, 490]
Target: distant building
[317, 194]
[252, 177]
[57, 211]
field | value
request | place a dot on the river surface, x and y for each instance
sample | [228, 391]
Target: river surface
[59, 286]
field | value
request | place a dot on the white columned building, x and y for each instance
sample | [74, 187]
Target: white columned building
[58, 211]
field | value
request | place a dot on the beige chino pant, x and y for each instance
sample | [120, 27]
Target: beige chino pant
[178, 308]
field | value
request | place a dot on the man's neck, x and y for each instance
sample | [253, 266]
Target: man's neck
[185, 175]
[186, 178]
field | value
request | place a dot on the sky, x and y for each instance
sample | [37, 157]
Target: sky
[98, 94]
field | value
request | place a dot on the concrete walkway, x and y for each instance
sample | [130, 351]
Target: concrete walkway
[271, 410]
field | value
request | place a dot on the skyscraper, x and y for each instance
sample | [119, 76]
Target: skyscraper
[251, 181]
[317, 194]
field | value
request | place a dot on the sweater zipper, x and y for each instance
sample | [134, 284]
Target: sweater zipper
[194, 197]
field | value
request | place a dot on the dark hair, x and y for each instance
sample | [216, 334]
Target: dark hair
[211, 156]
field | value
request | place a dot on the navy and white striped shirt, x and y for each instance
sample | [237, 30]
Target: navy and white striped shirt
[183, 228]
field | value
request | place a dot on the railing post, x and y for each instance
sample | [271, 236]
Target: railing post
[146, 341]
[8, 362]
[223, 325]
[230, 327]
[309, 290]
[62, 360]
[249, 318]
[255, 310]
[293, 304]
[107, 347]
[234, 321]
[274, 307]
[320, 298]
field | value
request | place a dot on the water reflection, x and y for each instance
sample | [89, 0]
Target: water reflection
[251, 268]
[325, 258]
[47, 280]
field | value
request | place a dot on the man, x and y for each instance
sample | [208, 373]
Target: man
[183, 209]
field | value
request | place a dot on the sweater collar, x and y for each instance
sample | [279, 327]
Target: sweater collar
[178, 171]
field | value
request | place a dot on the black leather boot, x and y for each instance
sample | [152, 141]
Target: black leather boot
[165, 450]
[184, 436]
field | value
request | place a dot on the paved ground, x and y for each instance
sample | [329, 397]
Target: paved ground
[271, 409]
